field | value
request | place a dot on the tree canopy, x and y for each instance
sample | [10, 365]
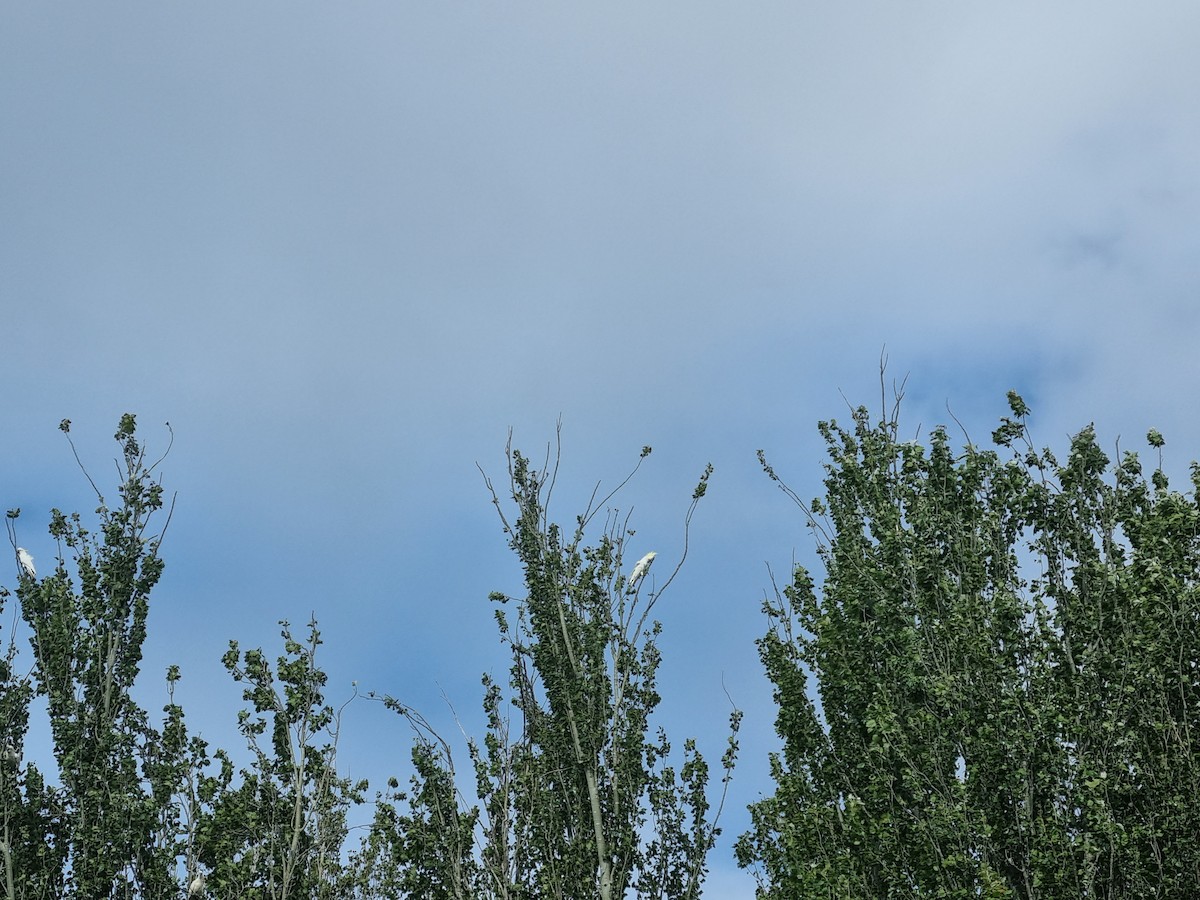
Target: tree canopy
[994, 690]
[991, 689]
[575, 790]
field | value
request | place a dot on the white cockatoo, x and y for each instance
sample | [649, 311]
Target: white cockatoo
[26, 562]
[196, 888]
[640, 570]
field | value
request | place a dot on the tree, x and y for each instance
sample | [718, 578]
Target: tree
[427, 851]
[1005, 656]
[109, 830]
[277, 829]
[136, 815]
[32, 843]
[577, 798]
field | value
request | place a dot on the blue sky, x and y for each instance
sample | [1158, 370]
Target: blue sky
[344, 248]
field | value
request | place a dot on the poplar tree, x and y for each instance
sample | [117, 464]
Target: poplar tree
[108, 829]
[274, 829]
[577, 796]
[994, 692]
[137, 811]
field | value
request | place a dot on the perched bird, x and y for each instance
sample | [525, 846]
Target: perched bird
[640, 570]
[196, 888]
[26, 562]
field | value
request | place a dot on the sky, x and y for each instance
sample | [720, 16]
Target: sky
[344, 249]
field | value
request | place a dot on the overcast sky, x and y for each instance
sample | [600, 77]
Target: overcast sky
[343, 248]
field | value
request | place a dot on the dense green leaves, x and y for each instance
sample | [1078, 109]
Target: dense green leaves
[277, 829]
[576, 797]
[571, 799]
[1003, 656]
[138, 812]
[103, 826]
[991, 691]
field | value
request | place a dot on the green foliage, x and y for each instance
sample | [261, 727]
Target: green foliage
[33, 849]
[277, 830]
[576, 798]
[428, 851]
[100, 834]
[1004, 651]
[137, 813]
[993, 693]
[580, 802]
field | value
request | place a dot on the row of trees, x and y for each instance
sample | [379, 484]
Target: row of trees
[575, 794]
[993, 692]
